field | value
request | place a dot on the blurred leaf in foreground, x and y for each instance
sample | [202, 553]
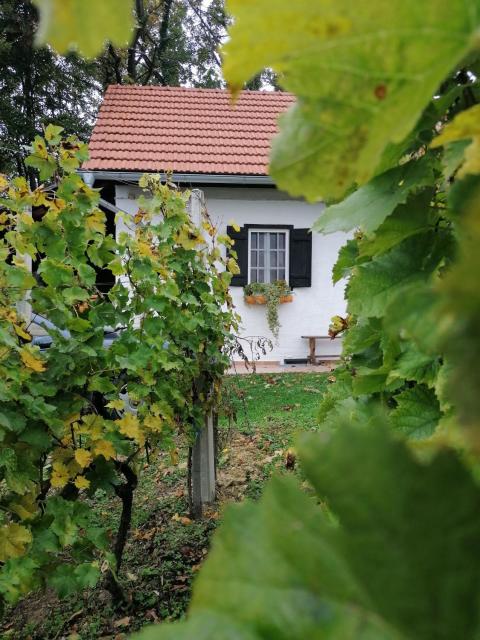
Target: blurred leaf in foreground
[84, 25]
[363, 74]
[399, 559]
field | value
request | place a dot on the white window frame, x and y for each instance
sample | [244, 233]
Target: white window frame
[269, 230]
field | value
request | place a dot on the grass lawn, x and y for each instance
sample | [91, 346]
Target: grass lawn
[263, 400]
[165, 548]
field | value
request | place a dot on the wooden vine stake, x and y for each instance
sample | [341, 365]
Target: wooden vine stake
[203, 467]
[202, 460]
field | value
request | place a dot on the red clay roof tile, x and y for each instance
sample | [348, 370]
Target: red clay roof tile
[185, 130]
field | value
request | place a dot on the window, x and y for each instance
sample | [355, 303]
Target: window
[268, 255]
[262, 258]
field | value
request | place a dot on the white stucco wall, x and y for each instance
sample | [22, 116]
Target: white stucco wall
[312, 307]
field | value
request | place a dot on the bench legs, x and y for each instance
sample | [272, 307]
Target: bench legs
[312, 358]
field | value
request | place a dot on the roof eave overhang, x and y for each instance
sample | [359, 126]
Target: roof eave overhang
[132, 177]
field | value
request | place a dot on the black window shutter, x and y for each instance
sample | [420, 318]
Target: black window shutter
[241, 247]
[300, 258]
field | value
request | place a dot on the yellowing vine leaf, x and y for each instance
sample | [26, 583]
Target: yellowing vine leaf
[362, 72]
[129, 426]
[60, 475]
[144, 249]
[84, 24]
[83, 457]
[189, 238]
[234, 225]
[21, 332]
[91, 426]
[466, 125]
[81, 482]
[118, 404]
[14, 539]
[232, 266]
[26, 506]
[153, 422]
[31, 361]
[104, 448]
[53, 133]
[96, 222]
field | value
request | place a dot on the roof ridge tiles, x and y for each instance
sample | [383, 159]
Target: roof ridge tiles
[169, 88]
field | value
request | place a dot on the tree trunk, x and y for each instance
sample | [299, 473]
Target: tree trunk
[125, 492]
[163, 41]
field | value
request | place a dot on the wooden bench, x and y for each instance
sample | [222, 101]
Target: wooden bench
[312, 341]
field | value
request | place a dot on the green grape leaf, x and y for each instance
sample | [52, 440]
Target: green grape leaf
[55, 273]
[18, 577]
[465, 125]
[453, 157]
[425, 129]
[46, 167]
[337, 391]
[407, 220]
[363, 75]
[62, 580]
[460, 306]
[87, 274]
[347, 258]
[361, 335]
[368, 381]
[415, 313]
[413, 364]
[417, 412]
[66, 579]
[204, 626]
[84, 25]
[53, 134]
[399, 559]
[377, 283]
[66, 519]
[74, 294]
[8, 459]
[12, 420]
[368, 206]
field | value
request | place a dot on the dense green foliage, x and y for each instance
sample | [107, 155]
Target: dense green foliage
[392, 550]
[38, 86]
[65, 428]
[165, 547]
[174, 43]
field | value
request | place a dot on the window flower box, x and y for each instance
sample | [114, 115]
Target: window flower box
[271, 294]
[261, 299]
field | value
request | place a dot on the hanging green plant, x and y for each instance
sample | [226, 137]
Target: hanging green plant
[271, 294]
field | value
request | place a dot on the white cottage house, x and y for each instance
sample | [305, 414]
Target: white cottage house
[222, 149]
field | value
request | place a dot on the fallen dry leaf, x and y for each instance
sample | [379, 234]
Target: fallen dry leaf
[123, 622]
[182, 519]
[151, 614]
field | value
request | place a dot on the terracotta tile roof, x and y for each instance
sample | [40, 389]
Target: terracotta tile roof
[185, 130]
